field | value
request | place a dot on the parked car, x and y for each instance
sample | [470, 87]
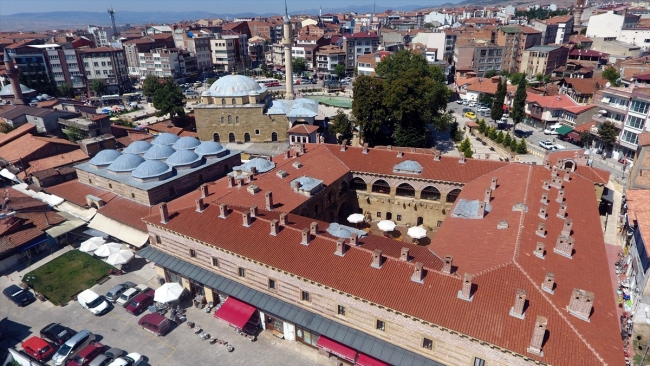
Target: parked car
[506, 115]
[57, 333]
[126, 296]
[459, 101]
[72, 346]
[465, 110]
[552, 129]
[141, 302]
[470, 115]
[465, 102]
[114, 293]
[87, 354]
[548, 145]
[90, 300]
[483, 109]
[107, 357]
[472, 104]
[132, 359]
[38, 348]
[155, 323]
[20, 296]
[191, 92]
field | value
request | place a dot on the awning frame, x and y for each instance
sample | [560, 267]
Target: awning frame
[337, 349]
[235, 312]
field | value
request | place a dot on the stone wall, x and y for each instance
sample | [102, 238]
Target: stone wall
[252, 120]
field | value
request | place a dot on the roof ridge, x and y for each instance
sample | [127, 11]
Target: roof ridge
[522, 216]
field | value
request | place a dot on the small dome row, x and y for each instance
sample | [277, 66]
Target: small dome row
[156, 152]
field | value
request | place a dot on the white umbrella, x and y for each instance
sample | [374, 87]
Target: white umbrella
[417, 232]
[170, 291]
[121, 257]
[91, 244]
[108, 249]
[386, 225]
[356, 218]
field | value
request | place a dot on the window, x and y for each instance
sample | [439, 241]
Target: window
[639, 107]
[304, 296]
[381, 186]
[405, 190]
[192, 253]
[399, 217]
[233, 101]
[223, 102]
[222, 120]
[257, 132]
[132, 195]
[379, 214]
[231, 137]
[430, 193]
[479, 362]
[96, 64]
[381, 325]
[215, 262]
[271, 284]
[158, 239]
[631, 137]
[439, 224]
[451, 196]
[242, 272]
[427, 343]
[358, 184]
[90, 181]
[110, 185]
[341, 310]
[634, 122]
[230, 119]
[236, 119]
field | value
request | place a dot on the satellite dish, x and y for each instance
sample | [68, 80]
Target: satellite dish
[608, 84]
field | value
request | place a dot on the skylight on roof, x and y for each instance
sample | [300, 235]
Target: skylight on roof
[408, 167]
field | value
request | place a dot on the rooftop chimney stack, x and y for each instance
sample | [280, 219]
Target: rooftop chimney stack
[567, 175]
[566, 229]
[564, 246]
[556, 182]
[493, 183]
[287, 154]
[164, 214]
[488, 195]
[253, 172]
[446, 265]
[246, 218]
[541, 230]
[404, 254]
[520, 302]
[562, 211]
[231, 181]
[418, 273]
[539, 250]
[296, 186]
[365, 147]
[466, 292]
[306, 238]
[560, 196]
[341, 248]
[462, 160]
[344, 145]
[223, 210]
[200, 206]
[547, 164]
[269, 200]
[544, 199]
[481, 210]
[555, 171]
[239, 183]
[581, 304]
[537, 339]
[546, 185]
[275, 228]
[204, 190]
[400, 154]
[542, 212]
[284, 219]
[549, 282]
[559, 162]
[436, 155]
[313, 228]
[376, 259]
[253, 210]
[354, 239]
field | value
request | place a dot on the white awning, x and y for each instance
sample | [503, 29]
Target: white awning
[85, 214]
[119, 230]
[70, 224]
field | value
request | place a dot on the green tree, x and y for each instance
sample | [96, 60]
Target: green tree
[465, 145]
[210, 81]
[583, 31]
[493, 133]
[490, 73]
[518, 105]
[608, 135]
[74, 133]
[299, 66]
[521, 146]
[66, 90]
[507, 140]
[500, 137]
[169, 100]
[428, 25]
[98, 87]
[481, 126]
[513, 145]
[496, 112]
[586, 138]
[468, 153]
[515, 79]
[340, 71]
[368, 109]
[150, 85]
[341, 126]
[454, 132]
[486, 99]
[612, 75]
[6, 128]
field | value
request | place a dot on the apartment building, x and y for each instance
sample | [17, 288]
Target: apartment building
[107, 64]
[31, 58]
[134, 47]
[366, 64]
[555, 30]
[67, 68]
[223, 53]
[359, 44]
[543, 60]
[609, 25]
[480, 57]
[327, 57]
[515, 39]
[163, 62]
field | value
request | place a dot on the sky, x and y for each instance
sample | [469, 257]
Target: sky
[8, 7]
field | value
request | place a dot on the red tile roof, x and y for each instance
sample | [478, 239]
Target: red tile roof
[127, 212]
[76, 192]
[18, 132]
[303, 129]
[644, 139]
[579, 108]
[73, 157]
[553, 101]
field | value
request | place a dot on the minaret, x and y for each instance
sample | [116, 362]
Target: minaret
[12, 74]
[577, 12]
[287, 41]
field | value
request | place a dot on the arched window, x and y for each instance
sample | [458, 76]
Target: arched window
[451, 196]
[236, 119]
[231, 137]
[430, 193]
[222, 120]
[223, 101]
[216, 137]
[247, 137]
[233, 101]
[343, 187]
[358, 184]
[405, 190]
[229, 119]
[381, 186]
[274, 136]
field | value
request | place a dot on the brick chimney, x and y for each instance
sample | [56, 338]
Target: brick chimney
[562, 211]
[556, 182]
[566, 229]
[377, 259]
[404, 254]
[287, 154]
[549, 282]
[542, 212]
[246, 218]
[164, 214]
[481, 210]
[269, 200]
[488, 195]
[275, 228]
[400, 154]
[581, 304]
[462, 160]
[567, 175]
[239, 183]
[306, 237]
[341, 248]
[253, 211]
[231, 181]
[365, 148]
[200, 206]
[446, 265]
[564, 246]
[555, 171]
[544, 199]
[204, 190]
[559, 162]
[354, 239]
[344, 145]
[418, 273]
[537, 340]
[313, 228]
[389, 147]
[547, 164]
[539, 250]
[436, 155]
[466, 292]
[520, 302]
[541, 230]
[296, 186]
[560, 196]
[546, 185]
[223, 210]
[284, 219]
[493, 183]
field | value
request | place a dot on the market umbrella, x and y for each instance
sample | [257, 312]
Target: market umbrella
[168, 292]
[417, 232]
[386, 225]
[108, 249]
[120, 257]
[91, 244]
[356, 218]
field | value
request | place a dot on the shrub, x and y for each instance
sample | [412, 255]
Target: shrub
[493, 133]
[500, 137]
[468, 153]
[507, 140]
[521, 147]
[513, 145]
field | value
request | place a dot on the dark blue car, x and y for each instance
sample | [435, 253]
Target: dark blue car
[18, 295]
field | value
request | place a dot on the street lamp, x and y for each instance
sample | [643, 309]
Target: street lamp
[478, 100]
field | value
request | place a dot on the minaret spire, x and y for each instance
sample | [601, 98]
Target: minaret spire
[287, 42]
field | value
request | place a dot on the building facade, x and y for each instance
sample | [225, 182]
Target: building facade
[543, 60]
[107, 64]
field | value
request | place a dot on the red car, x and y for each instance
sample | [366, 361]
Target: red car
[38, 348]
[155, 323]
[87, 354]
[141, 302]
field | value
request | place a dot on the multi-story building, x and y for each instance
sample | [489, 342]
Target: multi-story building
[223, 53]
[162, 62]
[277, 55]
[359, 44]
[256, 50]
[515, 39]
[104, 35]
[480, 57]
[327, 57]
[107, 64]
[555, 30]
[199, 47]
[31, 58]
[543, 60]
[609, 25]
[545, 110]
[134, 47]
[366, 64]
[67, 68]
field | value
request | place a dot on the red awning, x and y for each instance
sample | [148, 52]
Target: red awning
[337, 348]
[505, 107]
[365, 360]
[235, 312]
[573, 136]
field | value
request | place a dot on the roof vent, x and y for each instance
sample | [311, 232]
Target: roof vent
[306, 236]
[519, 310]
[556, 182]
[281, 173]
[539, 333]
[275, 228]
[436, 155]
[200, 206]
[344, 145]
[365, 148]
[502, 225]
[400, 154]
[404, 254]
[466, 292]
[252, 189]
[564, 246]
[519, 206]
[549, 282]
[446, 265]
[461, 160]
[164, 214]
[418, 273]
[297, 164]
[544, 199]
[581, 304]
[541, 230]
[546, 185]
[377, 259]
[560, 196]
[223, 210]
[539, 250]
[562, 211]
[542, 212]
[341, 248]
[493, 183]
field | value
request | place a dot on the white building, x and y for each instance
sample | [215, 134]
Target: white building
[636, 37]
[223, 53]
[441, 18]
[432, 40]
[104, 35]
[106, 64]
[610, 24]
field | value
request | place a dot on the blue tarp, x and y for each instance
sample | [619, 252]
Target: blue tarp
[33, 243]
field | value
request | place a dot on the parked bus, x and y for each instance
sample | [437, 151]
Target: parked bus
[111, 99]
[268, 82]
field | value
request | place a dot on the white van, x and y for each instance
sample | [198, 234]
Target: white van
[93, 302]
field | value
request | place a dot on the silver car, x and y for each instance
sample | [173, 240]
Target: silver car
[72, 346]
[107, 357]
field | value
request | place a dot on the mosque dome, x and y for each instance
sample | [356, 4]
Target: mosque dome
[209, 148]
[186, 143]
[8, 91]
[159, 152]
[165, 138]
[150, 169]
[137, 147]
[105, 157]
[126, 163]
[261, 165]
[183, 157]
[236, 86]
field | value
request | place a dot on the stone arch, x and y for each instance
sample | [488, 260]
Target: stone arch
[247, 137]
[215, 137]
[430, 193]
[231, 137]
[358, 184]
[569, 164]
[452, 195]
[405, 190]
[343, 212]
[343, 188]
[381, 186]
[223, 101]
[233, 101]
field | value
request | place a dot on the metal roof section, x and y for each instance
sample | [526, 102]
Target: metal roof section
[183, 158]
[342, 231]
[165, 138]
[470, 209]
[159, 152]
[151, 169]
[186, 143]
[105, 157]
[341, 333]
[234, 86]
[137, 147]
[126, 163]
[8, 91]
[307, 184]
[209, 148]
[261, 166]
[408, 167]
[297, 108]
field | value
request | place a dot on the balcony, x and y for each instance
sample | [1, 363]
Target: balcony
[612, 106]
[600, 119]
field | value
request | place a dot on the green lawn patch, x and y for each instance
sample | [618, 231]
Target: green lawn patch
[67, 275]
[342, 102]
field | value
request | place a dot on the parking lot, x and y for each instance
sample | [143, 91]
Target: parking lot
[120, 329]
